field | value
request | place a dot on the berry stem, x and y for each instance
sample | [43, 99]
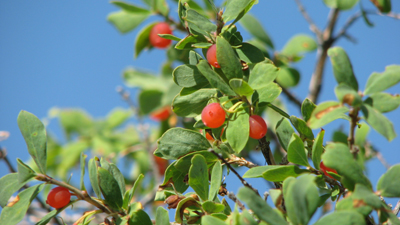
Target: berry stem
[82, 195]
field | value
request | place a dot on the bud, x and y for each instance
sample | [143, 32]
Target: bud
[222, 190]
[173, 201]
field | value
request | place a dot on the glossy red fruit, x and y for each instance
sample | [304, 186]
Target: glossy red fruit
[162, 164]
[213, 115]
[325, 169]
[161, 114]
[58, 197]
[258, 127]
[212, 56]
[157, 41]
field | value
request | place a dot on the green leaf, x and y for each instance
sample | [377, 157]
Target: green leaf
[212, 207]
[342, 218]
[384, 6]
[284, 131]
[250, 53]
[126, 21]
[278, 110]
[288, 77]
[346, 94]
[318, 149]
[299, 44]
[227, 59]
[25, 173]
[262, 75]
[177, 142]
[199, 23]
[139, 217]
[191, 105]
[255, 28]
[238, 130]
[150, 100]
[161, 6]
[129, 7]
[301, 127]
[94, 180]
[340, 4]
[388, 184]
[34, 133]
[189, 41]
[75, 121]
[110, 189]
[201, 45]
[189, 76]
[11, 215]
[269, 92]
[307, 107]
[169, 37]
[368, 196]
[117, 116]
[364, 15]
[383, 102]
[378, 82]
[131, 192]
[342, 68]
[9, 184]
[118, 176]
[337, 156]
[296, 152]
[379, 122]
[235, 9]
[142, 39]
[215, 80]
[46, 219]
[327, 112]
[194, 58]
[71, 153]
[274, 173]
[347, 204]
[143, 80]
[83, 162]
[177, 176]
[260, 207]
[162, 217]
[198, 176]
[209, 219]
[241, 87]
[301, 199]
[215, 183]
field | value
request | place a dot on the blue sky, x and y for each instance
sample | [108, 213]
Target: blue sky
[65, 54]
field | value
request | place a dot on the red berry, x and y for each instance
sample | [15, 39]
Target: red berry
[157, 41]
[212, 56]
[162, 164]
[213, 115]
[58, 197]
[211, 138]
[258, 127]
[161, 114]
[325, 169]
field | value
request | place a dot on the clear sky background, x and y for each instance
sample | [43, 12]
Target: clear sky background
[65, 54]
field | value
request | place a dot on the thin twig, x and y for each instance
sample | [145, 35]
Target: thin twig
[3, 155]
[232, 196]
[396, 208]
[291, 97]
[322, 53]
[382, 160]
[240, 161]
[353, 124]
[245, 183]
[266, 151]
[313, 26]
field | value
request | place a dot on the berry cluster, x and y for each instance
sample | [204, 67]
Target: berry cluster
[213, 116]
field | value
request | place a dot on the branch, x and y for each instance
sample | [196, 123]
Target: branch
[245, 183]
[313, 26]
[353, 124]
[240, 161]
[232, 196]
[322, 53]
[396, 208]
[266, 151]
